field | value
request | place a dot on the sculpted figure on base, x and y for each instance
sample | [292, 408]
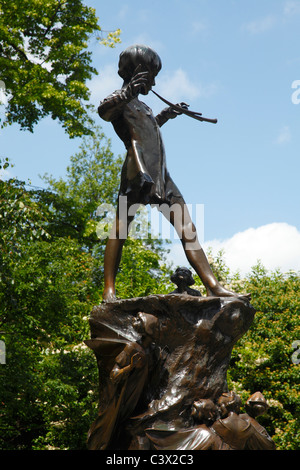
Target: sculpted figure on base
[145, 178]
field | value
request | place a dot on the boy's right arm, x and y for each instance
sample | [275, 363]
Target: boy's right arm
[112, 106]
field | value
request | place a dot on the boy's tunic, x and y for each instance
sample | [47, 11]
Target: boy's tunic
[145, 178]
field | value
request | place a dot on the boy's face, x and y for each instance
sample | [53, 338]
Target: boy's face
[150, 81]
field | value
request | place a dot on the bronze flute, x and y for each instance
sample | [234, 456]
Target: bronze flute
[189, 113]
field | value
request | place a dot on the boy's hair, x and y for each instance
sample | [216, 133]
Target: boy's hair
[138, 55]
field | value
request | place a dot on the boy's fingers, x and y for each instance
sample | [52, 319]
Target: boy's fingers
[184, 105]
[140, 80]
[140, 77]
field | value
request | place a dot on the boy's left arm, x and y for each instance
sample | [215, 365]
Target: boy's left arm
[169, 113]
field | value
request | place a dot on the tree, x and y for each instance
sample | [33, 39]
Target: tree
[51, 277]
[44, 298]
[46, 381]
[264, 360]
[92, 177]
[45, 61]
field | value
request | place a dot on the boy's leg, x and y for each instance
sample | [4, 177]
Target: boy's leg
[178, 215]
[112, 258]
[113, 250]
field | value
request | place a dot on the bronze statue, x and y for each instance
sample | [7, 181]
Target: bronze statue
[145, 178]
[163, 359]
[183, 279]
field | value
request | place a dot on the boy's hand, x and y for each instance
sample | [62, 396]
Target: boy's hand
[138, 83]
[173, 113]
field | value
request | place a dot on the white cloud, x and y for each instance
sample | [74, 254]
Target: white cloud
[260, 25]
[284, 135]
[291, 8]
[3, 102]
[5, 174]
[178, 86]
[276, 245]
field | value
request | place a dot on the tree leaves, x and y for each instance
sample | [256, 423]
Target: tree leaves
[45, 62]
[262, 360]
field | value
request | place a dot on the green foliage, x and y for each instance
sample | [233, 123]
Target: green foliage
[45, 61]
[44, 317]
[263, 358]
[92, 178]
[67, 399]
[112, 38]
[45, 291]
[51, 275]
[143, 271]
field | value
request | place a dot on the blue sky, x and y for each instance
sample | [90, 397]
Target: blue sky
[235, 60]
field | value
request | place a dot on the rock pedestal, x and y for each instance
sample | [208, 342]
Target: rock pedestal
[162, 363]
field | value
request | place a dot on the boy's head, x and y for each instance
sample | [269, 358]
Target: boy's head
[138, 55]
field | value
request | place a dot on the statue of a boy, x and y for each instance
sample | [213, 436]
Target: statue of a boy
[145, 178]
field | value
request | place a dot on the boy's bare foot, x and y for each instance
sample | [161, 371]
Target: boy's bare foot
[220, 291]
[109, 294]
